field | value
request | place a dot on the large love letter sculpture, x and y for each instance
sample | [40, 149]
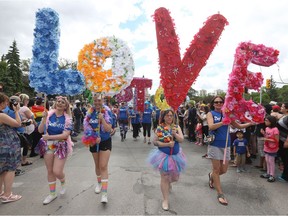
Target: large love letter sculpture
[140, 85]
[125, 95]
[177, 76]
[235, 106]
[44, 74]
[91, 61]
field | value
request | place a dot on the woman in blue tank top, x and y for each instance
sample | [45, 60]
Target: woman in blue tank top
[217, 147]
[168, 158]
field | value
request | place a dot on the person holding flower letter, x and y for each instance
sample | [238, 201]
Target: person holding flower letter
[97, 134]
[56, 144]
[168, 158]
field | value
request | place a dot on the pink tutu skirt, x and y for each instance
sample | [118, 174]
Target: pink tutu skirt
[60, 148]
[167, 163]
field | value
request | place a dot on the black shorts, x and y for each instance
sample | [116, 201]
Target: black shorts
[103, 146]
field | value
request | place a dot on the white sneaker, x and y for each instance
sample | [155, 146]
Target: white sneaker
[104, 198]
[98, 188]
[63, 190]
[49, 199]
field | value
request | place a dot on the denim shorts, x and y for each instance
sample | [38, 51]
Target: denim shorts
[217, 153]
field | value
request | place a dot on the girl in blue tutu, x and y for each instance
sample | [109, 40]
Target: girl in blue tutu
[168, 158]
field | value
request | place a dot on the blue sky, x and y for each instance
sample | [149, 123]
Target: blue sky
[258, 21]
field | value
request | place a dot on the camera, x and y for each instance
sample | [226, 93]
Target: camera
[26, 123]
[13, 102]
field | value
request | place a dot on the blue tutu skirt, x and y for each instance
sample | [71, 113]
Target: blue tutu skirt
[167, 163]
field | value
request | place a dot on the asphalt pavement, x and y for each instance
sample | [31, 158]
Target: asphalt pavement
[134, 187]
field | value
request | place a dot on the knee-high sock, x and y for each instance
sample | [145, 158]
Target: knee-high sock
[104, 183]
[52, 187]
[99, 179]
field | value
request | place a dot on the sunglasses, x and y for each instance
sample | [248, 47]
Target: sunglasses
[218, 102]
[61, 101]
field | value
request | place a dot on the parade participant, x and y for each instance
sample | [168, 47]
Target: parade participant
[99, 119]
[146, 120]
[55, 144]
[10, 150]
[271, 146]
[168, 158]
[135, 121]
[217, 147]
[123, 120]
[156, 116]
[77, 114]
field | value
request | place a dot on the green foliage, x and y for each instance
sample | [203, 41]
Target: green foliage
[6, 79]
[13, 67]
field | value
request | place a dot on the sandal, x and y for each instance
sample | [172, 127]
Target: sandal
[222, 200]
[11, 198]
[210, 181]
[1, 194]
[27, 163]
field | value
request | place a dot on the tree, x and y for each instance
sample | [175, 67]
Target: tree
[5, 78]
[283, 94]
[13, 69]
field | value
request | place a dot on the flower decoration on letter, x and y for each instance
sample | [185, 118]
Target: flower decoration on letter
[125, 95]
[91, 61]
[235, 106]
[140, 84]
[178, 75]
[44, 74]
[160, 102]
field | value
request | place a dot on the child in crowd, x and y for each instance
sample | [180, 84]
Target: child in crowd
[199, 133]
[271, 146]
[240, 150]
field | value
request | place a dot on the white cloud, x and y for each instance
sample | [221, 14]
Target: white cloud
[259, 21]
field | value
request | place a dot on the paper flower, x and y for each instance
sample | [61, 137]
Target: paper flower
[44, 74]
[91, 61]
[235, 106]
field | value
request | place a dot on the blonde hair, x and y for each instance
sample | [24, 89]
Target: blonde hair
[23, 97]
[67, 110]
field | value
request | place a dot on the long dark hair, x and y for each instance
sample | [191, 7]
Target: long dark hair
[272, 120]
[213, 99]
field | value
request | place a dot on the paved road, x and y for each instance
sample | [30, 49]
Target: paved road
[134, 189]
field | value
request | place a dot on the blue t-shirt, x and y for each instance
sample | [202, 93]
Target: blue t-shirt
[123, 113]
[11, 113]
[56, 125]
[240, 145]
[135, 117]
[94, 122]
[147, 116]
[221, 132]
[157, 111]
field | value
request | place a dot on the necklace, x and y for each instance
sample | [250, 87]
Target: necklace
[164, 133]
